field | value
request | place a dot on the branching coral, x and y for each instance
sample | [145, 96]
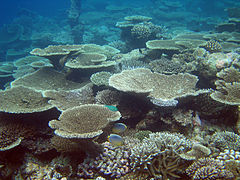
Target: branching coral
[108, 97]
[209, 168]
[159, 154]
[226, 140]
[113, 162]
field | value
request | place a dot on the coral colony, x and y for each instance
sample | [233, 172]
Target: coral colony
[107, 93]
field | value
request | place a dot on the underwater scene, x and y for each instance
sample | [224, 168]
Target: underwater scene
[129, 90]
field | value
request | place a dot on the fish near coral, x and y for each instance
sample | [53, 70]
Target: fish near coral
[119, 128]
[115, 140]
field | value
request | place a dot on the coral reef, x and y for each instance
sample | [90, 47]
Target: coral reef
[227, 93]
[57, 54]
[137, 30]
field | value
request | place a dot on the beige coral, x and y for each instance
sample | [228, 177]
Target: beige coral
[57, 53]
[46, 79]
[21, 99]
[68, 99]
[159, 87]
[85, 121]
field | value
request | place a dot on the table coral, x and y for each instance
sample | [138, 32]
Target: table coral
[85, 121]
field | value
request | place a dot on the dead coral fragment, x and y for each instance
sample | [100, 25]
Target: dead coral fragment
[85, 121]
[23, 100]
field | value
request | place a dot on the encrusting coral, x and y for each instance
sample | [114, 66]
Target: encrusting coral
[85, 121]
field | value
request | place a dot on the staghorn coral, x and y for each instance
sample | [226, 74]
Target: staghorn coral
[85, 121]
[100, 78]
[46, 79]
[21, 99]
[113, 162]
[33, 168]
[159, 87]
[106, 50]
[158, 155]
[108, 97]
[229, 155]
[226, 140]
[208, 168]
[28, 60]
[13, 132]
[68, 99]
[137, 18]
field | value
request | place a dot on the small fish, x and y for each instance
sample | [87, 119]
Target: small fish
[196, 120]
[112, 108]
[115, 140]
[119, 128]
